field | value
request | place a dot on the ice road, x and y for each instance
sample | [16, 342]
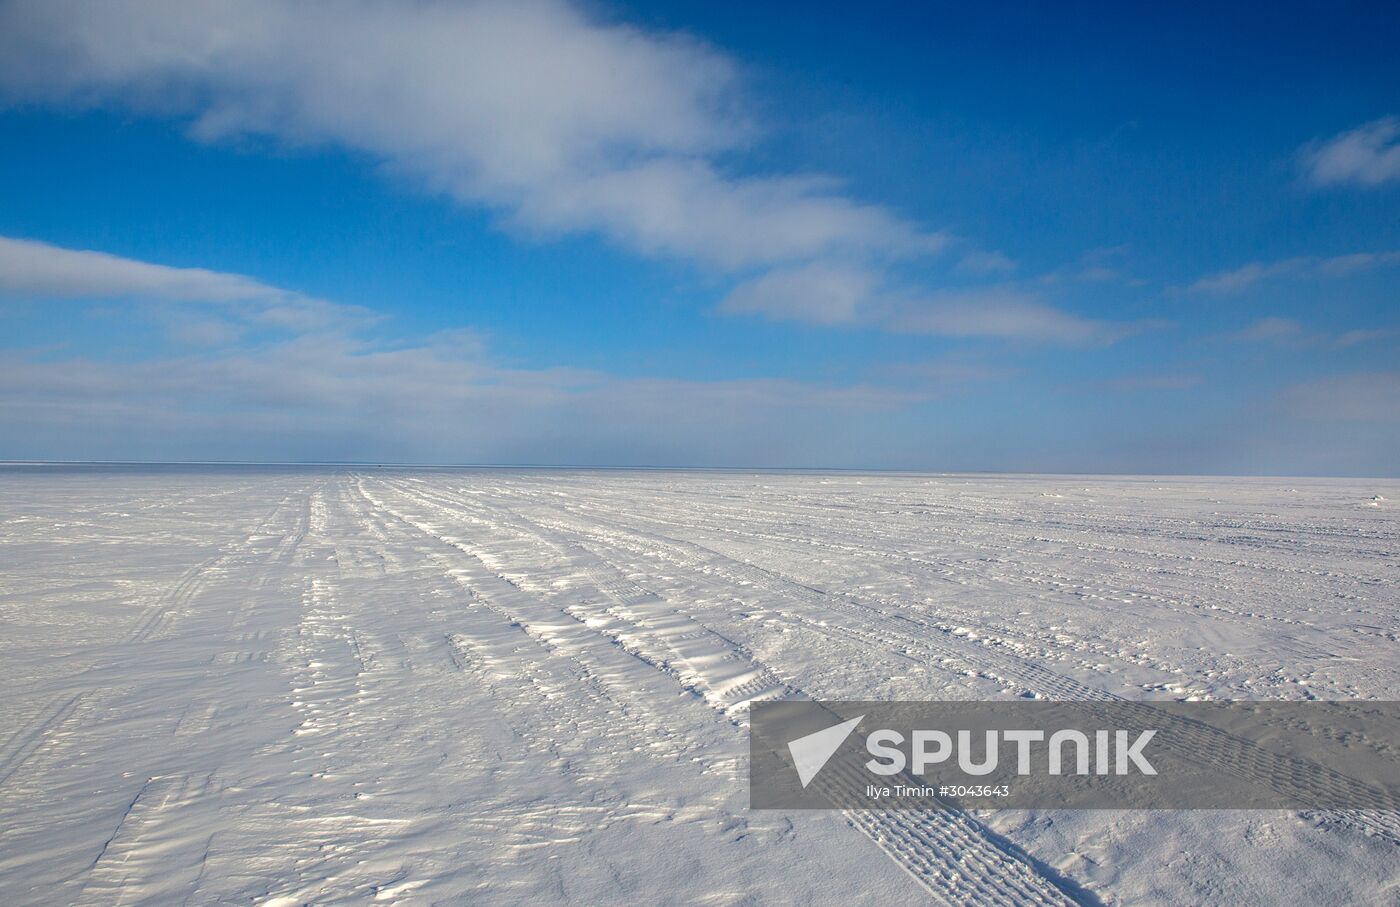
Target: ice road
[487, 686]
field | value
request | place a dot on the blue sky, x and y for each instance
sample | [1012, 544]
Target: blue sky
[1083, 237]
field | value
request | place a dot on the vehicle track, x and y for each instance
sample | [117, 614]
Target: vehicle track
[950, 854]
[928, 642]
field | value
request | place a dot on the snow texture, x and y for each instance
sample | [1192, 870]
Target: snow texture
[486, 686]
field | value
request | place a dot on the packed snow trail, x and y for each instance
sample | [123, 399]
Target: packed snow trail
[489, 686]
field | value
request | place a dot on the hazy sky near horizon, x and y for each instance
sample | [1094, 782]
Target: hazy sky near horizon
[1033, 237]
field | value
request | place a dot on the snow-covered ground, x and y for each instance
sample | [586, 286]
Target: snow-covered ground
[321, 686]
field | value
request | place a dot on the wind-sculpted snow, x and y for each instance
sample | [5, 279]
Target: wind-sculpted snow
[487, 686]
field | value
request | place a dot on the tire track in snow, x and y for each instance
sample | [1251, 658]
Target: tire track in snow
[972, 533]
[150, 858]
[153, 847]
[908, 564]
[951, 855]
[30, 739]
[919, 638]
[26, 741]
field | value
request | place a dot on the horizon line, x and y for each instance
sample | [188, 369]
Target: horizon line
[895, 470]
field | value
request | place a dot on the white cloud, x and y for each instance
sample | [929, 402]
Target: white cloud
[680, 208]
[39, 269]
[821, 294]
[334, 397]
[1288, 332]
[561, 122]
[331, 394]
[1357, 262]
[1308, 266]
[30, 269]
[1170, 382]
[1243, 277]
[986, 263]
[1366, 156]
[1271, 329]
[1102, 265]
[1362, 335]
[953, 375]
[1354, 397]
[321, 388]
[836, 295]
[1000, 312]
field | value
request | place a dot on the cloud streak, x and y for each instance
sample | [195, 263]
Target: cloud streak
[1367, 156]
[559, 122]
[1242, 278]
[320, 387]
[1288, 332]
[1002, 313]
[1353, 397]
[325, 397]
[817, 294]
[37, 270]
[844, 295]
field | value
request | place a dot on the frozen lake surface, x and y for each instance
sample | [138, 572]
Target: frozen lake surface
[488, 686]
